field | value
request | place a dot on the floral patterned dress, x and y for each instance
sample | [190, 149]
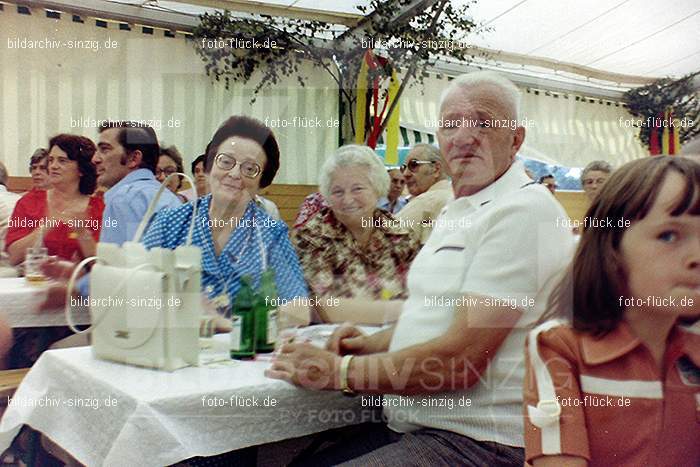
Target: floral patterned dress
[334, 264]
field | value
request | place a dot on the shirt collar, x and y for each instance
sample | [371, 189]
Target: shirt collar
[621, 341]
[512, 180]
[3, 188]
[440, 185]
[131, 177]
[615, 344]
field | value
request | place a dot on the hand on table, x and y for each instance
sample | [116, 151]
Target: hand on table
[55, 297]
[59, 271]
[56, 269]
[222, 325]
[307, 366]
[347, 339]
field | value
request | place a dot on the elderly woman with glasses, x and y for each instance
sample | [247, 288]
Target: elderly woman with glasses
[170, 162]
[355, 255]
[236, 236]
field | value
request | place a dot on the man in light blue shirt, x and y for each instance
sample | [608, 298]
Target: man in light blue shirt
[393, 201]
[126, 157]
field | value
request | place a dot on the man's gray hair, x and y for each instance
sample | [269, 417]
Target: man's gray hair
[3, 174]
[428, 152]
[692, 147]
[352, 155]
[600, 166]
[510, 93]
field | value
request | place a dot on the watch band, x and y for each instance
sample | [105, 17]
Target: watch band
[344, 366]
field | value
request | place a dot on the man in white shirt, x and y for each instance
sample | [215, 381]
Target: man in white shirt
[7, 204]
[451, 370]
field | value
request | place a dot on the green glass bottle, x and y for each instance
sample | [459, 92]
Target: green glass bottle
[266, 313]
[243, 321]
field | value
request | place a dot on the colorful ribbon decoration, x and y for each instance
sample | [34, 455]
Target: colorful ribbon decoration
[668, 128]
[371, 135]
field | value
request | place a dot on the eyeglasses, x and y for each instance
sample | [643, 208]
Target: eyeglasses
[166, 171]
[413, 165]
[248, 169]
[591, 181]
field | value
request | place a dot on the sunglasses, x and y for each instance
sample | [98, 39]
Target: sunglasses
[413, 165]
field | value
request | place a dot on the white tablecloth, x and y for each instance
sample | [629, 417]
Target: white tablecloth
[20, 302]
[159, 418]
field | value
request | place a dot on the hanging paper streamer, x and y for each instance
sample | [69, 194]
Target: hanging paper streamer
[670, 139]
[654, 146]
[392, 128]
[369, 134]
[361, 107]
[676, 138]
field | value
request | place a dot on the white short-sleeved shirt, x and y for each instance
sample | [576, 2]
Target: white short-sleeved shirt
[507, 241]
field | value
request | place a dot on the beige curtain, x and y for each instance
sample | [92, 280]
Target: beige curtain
[563, 130]
[142, 77]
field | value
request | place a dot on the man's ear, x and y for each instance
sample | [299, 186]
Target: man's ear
[134, 159]
[518, 139]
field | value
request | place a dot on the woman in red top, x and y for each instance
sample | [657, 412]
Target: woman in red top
[66, 214]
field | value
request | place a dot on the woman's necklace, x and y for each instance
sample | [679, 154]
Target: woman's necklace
[222, 301]
[72, 234]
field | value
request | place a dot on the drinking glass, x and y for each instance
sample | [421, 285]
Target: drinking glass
[35, 257]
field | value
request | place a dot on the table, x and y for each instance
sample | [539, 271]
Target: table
[20, 302]
[105, 413]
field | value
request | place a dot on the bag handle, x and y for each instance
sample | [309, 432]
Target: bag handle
[137, 238]
[154, 202]
[71, 285]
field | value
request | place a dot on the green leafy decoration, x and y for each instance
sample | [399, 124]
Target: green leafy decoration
[416, 42]
[652, 100]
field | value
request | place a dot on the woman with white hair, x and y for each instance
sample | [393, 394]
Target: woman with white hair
[353, 254]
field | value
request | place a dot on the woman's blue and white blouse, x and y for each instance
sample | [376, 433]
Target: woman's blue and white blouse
[242, 253]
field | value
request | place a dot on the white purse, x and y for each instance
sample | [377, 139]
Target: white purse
[145, 304]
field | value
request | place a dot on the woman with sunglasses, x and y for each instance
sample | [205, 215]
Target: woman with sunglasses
[236, 236]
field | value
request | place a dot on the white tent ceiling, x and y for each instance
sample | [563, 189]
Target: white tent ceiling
[638, 38]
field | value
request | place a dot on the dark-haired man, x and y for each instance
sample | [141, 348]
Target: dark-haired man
[126, 158]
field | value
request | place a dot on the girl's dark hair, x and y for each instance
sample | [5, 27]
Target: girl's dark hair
[591, 288]
[246, 127]
[81, 150]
